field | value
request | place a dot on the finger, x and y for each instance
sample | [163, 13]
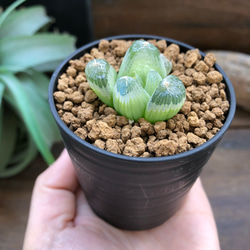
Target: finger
[53, 198]
[197, 200]
[60, 175]
[191, 227]
[197, 211]
[83, 210]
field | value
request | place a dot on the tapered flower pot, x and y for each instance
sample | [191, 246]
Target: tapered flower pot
[135, 193]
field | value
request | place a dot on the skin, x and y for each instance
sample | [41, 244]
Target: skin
[60, 218]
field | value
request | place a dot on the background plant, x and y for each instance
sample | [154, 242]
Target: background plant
[142, 88]
[27, 50]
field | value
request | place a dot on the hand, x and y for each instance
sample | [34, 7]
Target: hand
[60, 218]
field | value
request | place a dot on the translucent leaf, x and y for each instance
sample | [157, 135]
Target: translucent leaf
[129, 98]
[30, 51]
[138, 78]
[167, 100]
[16, 96]
[140, 58]
[26, 21]
[101, 77]
[152, 82]
[167, 63]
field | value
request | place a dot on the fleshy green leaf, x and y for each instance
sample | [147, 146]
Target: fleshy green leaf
[30, 51]
[129, 98]
[167, 63]
[152, 82]
[140, 58]
[138, 78]
[5, 14]
[2, 87]
[167, 100]
[26, 21]
[101, 77]
[16, 96]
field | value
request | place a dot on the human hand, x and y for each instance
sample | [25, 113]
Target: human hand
[60, 218]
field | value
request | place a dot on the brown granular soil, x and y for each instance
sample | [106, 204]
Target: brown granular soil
[200, 118]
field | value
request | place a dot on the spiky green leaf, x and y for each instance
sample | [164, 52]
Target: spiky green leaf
[48, 66]
[24, 151]
[2, 87]
[26, 21]
[8, 137]
[7, 12]
[40, 105]
[38, 80]
[16, 96]
[24, 52]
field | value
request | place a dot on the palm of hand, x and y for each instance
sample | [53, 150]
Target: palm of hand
[60, 218]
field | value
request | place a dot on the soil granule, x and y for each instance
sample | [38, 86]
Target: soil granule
[200, 118]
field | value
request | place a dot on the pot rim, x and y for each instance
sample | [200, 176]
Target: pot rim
[85, 48]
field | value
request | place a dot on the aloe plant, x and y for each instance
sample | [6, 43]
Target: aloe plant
[27, 50]
[142, 87]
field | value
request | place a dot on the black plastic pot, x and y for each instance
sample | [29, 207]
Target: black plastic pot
[135, 193]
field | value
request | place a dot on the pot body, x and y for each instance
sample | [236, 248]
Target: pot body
[135, 193]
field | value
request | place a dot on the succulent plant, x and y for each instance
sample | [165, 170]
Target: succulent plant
[27, 50]
[142, 87]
